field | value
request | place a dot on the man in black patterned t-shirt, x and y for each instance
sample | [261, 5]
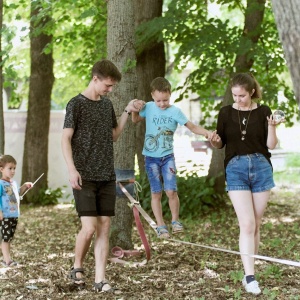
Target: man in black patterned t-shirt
[90, 128]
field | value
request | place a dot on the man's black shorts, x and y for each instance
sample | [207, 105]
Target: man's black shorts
[96, 198]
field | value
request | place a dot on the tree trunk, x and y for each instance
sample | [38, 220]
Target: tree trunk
[2, 134]
[151, 63]
[121, 51]
[35, 159]
[288, 24]
[244, 61]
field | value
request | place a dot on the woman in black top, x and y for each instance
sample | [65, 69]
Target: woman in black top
[248, 130]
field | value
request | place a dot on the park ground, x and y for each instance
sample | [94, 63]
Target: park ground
[44, 245]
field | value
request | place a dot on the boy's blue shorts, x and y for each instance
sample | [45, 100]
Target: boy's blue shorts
[161, 173]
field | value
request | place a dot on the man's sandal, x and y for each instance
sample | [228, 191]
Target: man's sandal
[162, 232]
[76, 280]
[10, 264]
[98, 287]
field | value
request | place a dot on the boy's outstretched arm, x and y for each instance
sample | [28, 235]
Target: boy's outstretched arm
[135, 117]
[197, 129]
[132, 107]
[26, 186]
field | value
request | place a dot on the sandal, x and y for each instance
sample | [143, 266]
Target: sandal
[177, 227]
[98, 287]
[162, 232]
[10, 264]
[77, 281]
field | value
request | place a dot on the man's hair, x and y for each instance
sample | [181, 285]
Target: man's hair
[5, 159]
[248, 82]
[160, 84]
[104, 69]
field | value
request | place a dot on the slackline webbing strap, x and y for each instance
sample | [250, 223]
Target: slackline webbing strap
[154, 226]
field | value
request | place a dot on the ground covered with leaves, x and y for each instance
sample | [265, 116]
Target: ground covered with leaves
[44, 248]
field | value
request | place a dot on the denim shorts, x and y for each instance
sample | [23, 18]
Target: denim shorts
[249, 172]
[96, 198]
[161, 171]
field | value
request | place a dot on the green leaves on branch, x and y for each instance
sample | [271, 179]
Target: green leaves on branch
[206, 48]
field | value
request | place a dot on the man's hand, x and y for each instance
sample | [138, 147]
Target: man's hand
[75, 180]
[135, 105]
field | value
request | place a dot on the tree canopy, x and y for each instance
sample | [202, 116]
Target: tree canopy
[208, 46]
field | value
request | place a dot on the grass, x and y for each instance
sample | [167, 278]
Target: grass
[290, 176]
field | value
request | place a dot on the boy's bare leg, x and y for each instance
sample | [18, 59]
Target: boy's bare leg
[157, 208]
[6, 252]
[173, 204]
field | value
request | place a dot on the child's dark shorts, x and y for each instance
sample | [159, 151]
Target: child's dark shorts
[8, 227]
[96, 198]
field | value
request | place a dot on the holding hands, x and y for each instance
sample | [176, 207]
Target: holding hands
[135, 105]
[215, 139]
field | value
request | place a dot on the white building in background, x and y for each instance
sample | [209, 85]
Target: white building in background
[15, 126]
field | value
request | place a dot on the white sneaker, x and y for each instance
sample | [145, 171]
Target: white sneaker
[251, 287]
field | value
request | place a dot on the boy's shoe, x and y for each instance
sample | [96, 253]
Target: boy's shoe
[162, 232]
[10, 264]
[177, 227]
[251, 287]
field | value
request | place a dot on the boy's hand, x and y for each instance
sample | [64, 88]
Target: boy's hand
[1, 215]
[214, 139]
[28, 185]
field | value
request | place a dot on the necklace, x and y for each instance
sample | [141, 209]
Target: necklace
[245, 122]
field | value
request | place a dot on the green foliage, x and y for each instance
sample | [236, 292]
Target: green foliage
[289, 175]
[293, 160]
[196, 195]
[272, 271]
[79, 39]
[47, 196]
[209, 46]
[236, 276]
[271, 294]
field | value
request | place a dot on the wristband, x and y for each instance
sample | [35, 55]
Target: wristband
[127, 112]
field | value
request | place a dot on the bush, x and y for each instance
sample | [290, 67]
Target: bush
[47, 196]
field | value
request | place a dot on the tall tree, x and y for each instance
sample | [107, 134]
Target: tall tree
[2, 136]
[35, 159]
[121, 50]
[288, 24]
[151, 61]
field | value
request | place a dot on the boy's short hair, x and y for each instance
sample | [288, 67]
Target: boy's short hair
[5, 159]
[160, 84]
[104, 69]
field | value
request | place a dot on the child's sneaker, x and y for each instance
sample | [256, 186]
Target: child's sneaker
[251, 287]
[177, 227]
